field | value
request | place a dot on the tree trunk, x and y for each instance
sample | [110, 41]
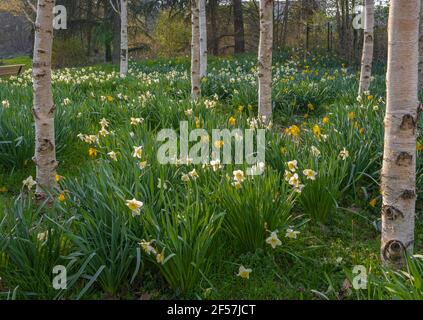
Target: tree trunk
[285, 23]
[367, 58]
[238, 27]
[214, 6]
[43, 108]
[116, 37]
[398, 185]
[123, 38]
[420, 85]
[195, 50]
[265, 59]
[203, 38]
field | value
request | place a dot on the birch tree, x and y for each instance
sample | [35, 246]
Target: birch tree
[195, 50]
[398, 185]
[43, 108]
[420, 86]
[203, 38]
[367, 57]
[123, 13]
[265, 59]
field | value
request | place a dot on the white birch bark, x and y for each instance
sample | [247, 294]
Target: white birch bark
[367, 57]
[123, 38]
[398, 185]
[195, 51]
[43, 107]
[203, 38]
[265, 59]
[420, 85]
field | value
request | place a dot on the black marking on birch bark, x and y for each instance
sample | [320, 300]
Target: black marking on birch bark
[34, 113]
[34, 160]
[52, 109]
[391, 213]
[408, 123]
[40, 75]
[41, 51]
[393, 251]
[45, 145]
[408, 194]
[404, 159]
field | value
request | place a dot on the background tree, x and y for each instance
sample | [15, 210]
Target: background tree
[122, 10]
[399, 159]
[195, 50]
[367, 59]
[265, 59]
[203, 38]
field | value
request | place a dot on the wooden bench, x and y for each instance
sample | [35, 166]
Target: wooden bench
[13, 70]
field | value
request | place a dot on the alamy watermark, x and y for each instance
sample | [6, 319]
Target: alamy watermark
[249, 145]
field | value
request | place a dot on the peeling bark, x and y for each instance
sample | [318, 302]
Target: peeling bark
[195, 50]
[399, 160]
[265, 59]
[43, 107]
[123, 38]
[203, 38]
[367, 57]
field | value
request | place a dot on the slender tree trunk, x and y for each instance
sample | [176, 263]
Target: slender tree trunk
[116, 37]
[43, 108]
[195, 50]
[203, 38]
[420, 86]
[265, 59]
[123, 38]
[238, 27]
[285, 23]
[214, 7]
[398, 185]
[367, 58]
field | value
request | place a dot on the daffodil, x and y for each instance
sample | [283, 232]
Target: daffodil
[29, 182]
[104, 123]
[160, 257]
[273, 240]
[232, 121]
[5, 104]
[291, 233]
[373, 202]
[193, 174]
[92, 152]
[314, 151]
[42, 236]
[310, 174]
[219, 144]
[294, 180]
[244, 273]
[61, 197]
[185, 177]
[135, 206]
[142, 164]
[238, 175]
[344, 154]
[136, 121]
[292, 165]
[112, 155]
[316, 131]
[147, 247]
[137, 152]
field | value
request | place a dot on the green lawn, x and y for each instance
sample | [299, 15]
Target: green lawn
[204, 227]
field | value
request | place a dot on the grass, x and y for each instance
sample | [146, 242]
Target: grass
[195, 234]
[25, 60]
